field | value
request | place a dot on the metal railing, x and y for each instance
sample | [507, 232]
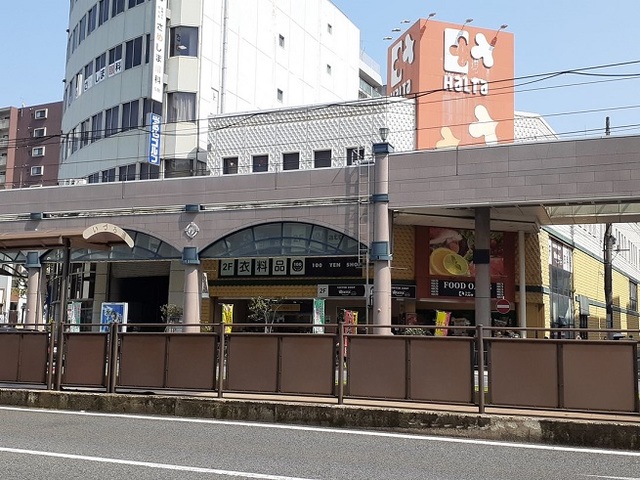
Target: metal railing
[470, 366]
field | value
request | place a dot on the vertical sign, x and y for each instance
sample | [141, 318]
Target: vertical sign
[318, 315]
[462, 80]
[157, 60]
[155, 125]
[73, 315]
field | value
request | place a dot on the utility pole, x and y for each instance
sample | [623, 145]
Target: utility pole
[609, 241]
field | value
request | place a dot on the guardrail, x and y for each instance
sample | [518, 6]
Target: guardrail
[471, 366]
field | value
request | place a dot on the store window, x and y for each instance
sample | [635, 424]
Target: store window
[561, 286]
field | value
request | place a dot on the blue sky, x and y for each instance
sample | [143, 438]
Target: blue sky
[550, 36]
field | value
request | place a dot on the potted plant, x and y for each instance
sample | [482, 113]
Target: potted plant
[171, 313]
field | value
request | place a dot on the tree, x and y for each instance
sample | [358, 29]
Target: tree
[264, 310]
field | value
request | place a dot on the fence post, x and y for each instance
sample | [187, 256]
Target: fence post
[59, 355]
[51, 358]
[480, 348]
[112, 371]
[221, 362]
[341, 360]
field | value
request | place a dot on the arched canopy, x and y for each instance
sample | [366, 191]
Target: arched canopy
[283, 238]
[145, 247]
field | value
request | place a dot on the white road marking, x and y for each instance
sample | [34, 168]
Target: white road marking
[162, 466]
[366, 433]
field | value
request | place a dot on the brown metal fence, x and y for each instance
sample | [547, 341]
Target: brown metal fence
[481, 370]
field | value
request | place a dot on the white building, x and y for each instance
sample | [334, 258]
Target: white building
[186, 60]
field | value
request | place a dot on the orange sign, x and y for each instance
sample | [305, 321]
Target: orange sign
[462, 80]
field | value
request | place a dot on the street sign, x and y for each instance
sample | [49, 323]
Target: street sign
[503, 305]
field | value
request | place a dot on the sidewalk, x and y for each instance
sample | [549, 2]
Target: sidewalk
[556, 428]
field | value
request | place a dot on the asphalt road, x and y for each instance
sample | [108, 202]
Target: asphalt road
[48, 444]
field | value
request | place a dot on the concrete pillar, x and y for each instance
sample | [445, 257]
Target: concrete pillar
[380, 247]
[481, 259]
[191, 312]
[522, 280]
[33, 289]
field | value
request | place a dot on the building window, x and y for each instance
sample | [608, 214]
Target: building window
[115, 61]
[181, 107]
[291, 161]
[41, 114]
[177, 167]
[37, 152]
[92, 19]
[150, 106]
[134, 3]
[322, 158]
[96, 127]
[127, 173]
[260, 163]
[88, 76]
[281, 40]
[101, 68]
[107, 176]
[329, 28]
[39, 132]
[280, 95]
[355, 155]
[84, 133]
[230, 165]
[133, 53]
[74, 141]
[149, 172]
[111, 121]
[147, 48]
[184, 42]
[117, 6]
[82, 26]
[328, 69]
[130, 115]
[103, 11]
[37, 170]
[94, 178]
[633, 296]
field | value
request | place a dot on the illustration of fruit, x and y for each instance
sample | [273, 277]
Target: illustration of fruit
[436, 264]
[455, 264]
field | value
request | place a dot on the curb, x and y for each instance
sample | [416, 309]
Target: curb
[544, 430]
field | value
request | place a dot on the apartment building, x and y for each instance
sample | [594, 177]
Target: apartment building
[134, 66]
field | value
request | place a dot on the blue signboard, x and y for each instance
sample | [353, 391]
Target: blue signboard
[155, 122]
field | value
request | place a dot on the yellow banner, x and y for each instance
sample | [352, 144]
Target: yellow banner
[227, 316]
[442, 320]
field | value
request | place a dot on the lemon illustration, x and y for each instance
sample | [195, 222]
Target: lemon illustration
[436, 265]
[455, 264]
